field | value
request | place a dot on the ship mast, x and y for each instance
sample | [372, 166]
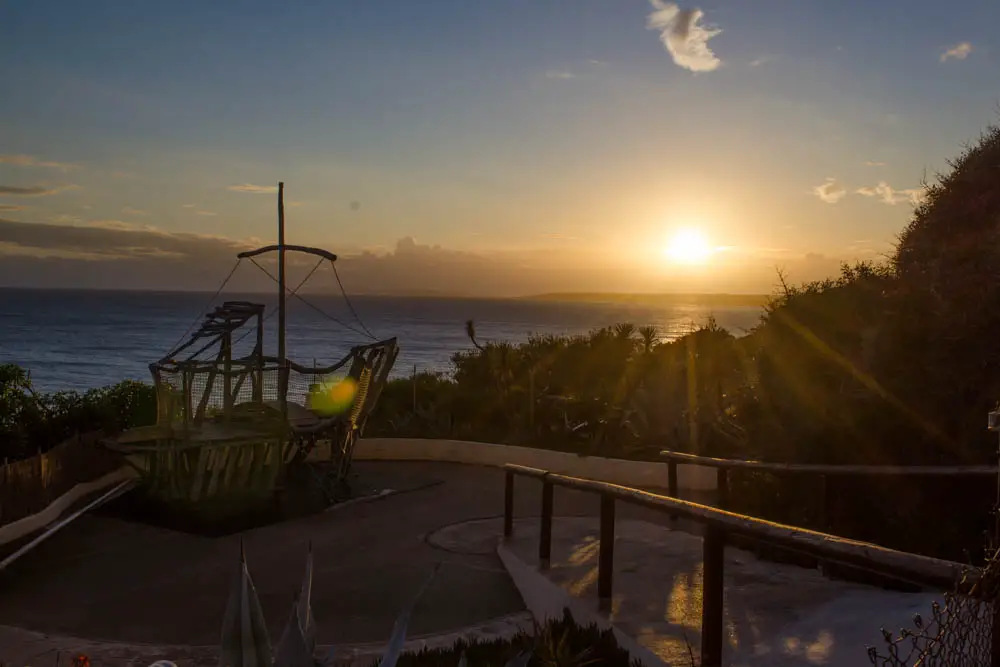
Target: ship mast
[282, 359]
[281, 274]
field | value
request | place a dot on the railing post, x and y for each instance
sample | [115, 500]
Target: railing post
[722, 487]
[508, 505]
[606, 558]
[712, 596]
[672, 483]
[545, 538]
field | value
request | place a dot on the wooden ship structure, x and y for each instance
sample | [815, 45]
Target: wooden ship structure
[231, 429]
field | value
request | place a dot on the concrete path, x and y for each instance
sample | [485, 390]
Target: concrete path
[776, 614]
[128, 591]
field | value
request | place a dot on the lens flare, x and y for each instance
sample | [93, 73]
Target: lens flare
[332, 397]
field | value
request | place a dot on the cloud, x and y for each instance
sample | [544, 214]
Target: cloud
[830, 192]
[109, 238]
[32, 161]
[559, 74]
[888, 195]
[120, 225]
[684, 36]
[207, 213]
[960, 51]
[874, 163]
[31, 191]
[757, 62]
[253, 189]
[128, 210]
[109, 254]
[187, 205]
[10, 207]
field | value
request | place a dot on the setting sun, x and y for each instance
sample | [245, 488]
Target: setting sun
[689, 246]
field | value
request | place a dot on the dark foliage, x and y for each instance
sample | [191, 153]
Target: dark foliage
[558, 643]
[32, 422]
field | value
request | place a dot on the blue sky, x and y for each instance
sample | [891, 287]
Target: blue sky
[566, 133]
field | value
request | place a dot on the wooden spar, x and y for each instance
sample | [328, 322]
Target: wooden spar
[282, 369]
[319, 252]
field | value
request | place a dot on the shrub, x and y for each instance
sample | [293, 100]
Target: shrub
[557, 643]
[31, 422]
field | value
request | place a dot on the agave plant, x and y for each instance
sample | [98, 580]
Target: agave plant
[245, 640]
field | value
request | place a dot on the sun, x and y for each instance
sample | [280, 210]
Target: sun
[689, 246]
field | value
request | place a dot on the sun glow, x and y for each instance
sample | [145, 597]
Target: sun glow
[688, 246]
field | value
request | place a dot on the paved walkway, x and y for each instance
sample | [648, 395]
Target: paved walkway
[124, 588]
[776, 615]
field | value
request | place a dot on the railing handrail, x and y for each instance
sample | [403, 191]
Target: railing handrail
[829, 469]
[899, 565]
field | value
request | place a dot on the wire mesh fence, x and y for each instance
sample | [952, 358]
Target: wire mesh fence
[957, 633]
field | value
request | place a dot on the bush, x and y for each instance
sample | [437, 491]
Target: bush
[31, 422]
[558, 643]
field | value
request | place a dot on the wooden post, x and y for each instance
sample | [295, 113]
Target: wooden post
[508, 505]
[722, 487]
[713, 597]
[414, 381]
[545, 539]
[282, 360]
[672, 490]
[531, 398]
[258, 386]
[227, 382]
[606, 556]
[186, 397]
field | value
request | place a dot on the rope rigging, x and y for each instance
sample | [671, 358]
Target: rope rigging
[314, 307]
[365, 332]
[347, 300]
[275, 308]
[215, 296]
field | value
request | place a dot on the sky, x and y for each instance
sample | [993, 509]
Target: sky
[479, 148]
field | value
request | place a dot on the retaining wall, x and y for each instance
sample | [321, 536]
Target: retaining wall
[616, 471]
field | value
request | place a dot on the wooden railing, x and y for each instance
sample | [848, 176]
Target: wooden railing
[923, 571]
[820, 472]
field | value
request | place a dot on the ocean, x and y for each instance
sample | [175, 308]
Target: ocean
[77, 340]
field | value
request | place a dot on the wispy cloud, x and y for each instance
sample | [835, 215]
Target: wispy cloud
[960, 51]
[66, 219]
[874, 163]
[30, 191]
[128, 210]
[32, 161]
[10, 207]
[187, 205]
[757, 62]
[204, 213]
[120, 225]
[889, 195]
[559, 74]
[253, 189]
[684, 36]
[830, 192]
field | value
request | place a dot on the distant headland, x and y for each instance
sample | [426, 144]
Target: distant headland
[727, 300]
